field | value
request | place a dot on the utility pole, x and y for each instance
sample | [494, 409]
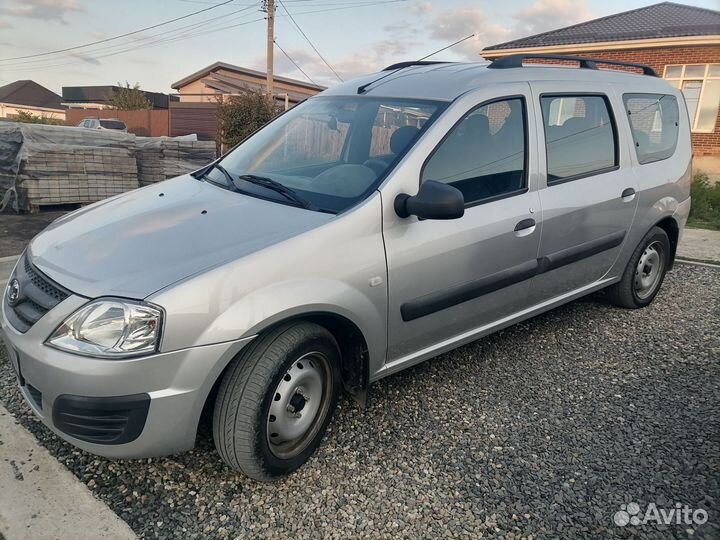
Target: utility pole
[269, 6]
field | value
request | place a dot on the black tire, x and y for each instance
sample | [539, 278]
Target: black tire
[248, 389]
[628, 292]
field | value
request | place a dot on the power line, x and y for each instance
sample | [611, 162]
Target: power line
[151, 41]
[310, 42]
[142, 40]
[349, 6]
[119, 36]
[309, 78]
[142, 46]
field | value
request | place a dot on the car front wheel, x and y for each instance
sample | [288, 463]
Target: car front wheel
[276, 399]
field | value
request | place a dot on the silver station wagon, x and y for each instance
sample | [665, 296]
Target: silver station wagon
[376, 225]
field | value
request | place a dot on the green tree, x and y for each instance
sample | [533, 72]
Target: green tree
[129, 98]
[241, 115]
[29, 118]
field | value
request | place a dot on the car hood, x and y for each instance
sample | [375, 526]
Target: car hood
[141, 241]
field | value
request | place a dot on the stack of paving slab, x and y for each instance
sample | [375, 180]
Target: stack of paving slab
[163, 158]
[59, 165]
[77, 175]
[44, 165]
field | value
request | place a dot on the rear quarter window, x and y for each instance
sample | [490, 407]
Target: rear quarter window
[112, 124]
[654, 120]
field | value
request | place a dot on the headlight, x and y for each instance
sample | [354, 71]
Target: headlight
[109, 329]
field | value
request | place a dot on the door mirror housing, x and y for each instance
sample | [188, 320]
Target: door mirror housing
[434, 200]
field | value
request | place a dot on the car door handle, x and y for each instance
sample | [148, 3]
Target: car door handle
[628, 194]
[525, 227]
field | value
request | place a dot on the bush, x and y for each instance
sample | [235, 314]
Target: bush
[705, 210]
[129, 98]
[29, 118]
[240, 116]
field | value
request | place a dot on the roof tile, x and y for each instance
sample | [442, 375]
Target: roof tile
[663, 20]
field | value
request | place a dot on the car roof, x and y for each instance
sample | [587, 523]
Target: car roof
[447, 81]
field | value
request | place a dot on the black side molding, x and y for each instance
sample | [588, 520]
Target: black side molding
[581, 251]
[437, 301]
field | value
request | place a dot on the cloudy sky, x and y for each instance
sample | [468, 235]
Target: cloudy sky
[353, 36]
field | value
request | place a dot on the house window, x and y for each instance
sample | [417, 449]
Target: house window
[700, 84]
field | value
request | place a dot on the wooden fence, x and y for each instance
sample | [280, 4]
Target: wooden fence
[146, 123]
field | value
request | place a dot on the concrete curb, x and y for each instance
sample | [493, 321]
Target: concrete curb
[41, 499]
[709, 264]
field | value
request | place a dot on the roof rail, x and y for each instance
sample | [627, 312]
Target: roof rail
[516, 61]
[401, 65]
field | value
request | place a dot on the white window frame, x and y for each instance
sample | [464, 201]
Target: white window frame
[681, 81]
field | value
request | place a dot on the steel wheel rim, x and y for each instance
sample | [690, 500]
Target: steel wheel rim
[649, 270]
[299, 405]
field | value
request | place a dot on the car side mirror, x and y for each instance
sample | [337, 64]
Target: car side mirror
[434, 200]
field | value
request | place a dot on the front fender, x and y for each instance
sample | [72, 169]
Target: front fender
[265, 307]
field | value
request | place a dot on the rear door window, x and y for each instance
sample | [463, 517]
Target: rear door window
[654, 120]
[580, 136]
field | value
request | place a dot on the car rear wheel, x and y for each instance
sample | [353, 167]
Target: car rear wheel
[276, 399]
[644, 273]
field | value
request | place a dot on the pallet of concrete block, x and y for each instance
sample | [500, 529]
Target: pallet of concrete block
[76, 175]
[166, 157]
[58, 165]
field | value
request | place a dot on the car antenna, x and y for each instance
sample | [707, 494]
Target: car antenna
[364, 87]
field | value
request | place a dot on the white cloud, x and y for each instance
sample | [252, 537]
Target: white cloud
[424, 7]
[40, 9]
[452, 25]
[546, 15]
[543, 15]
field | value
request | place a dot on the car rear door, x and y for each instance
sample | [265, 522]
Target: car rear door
[449, 279]
[587, 189]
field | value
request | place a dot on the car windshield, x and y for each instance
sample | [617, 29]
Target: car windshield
[330, 151]
[112, 124]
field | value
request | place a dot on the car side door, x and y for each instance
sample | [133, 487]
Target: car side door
[447, 280]
[587, 189]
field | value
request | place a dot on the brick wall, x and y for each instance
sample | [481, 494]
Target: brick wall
[146, 123]
[704, 144]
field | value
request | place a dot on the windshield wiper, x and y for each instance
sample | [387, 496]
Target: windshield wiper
[223, 170]
[282, 189]
[263, 181]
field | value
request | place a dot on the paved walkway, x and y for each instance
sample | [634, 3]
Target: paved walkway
[700, 245]
[41, 500]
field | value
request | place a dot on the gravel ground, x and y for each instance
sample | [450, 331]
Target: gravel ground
[541, 431]
[16, 230]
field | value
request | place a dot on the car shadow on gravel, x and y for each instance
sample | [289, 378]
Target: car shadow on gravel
[543, 429]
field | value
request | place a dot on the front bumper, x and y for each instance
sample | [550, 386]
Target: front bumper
[65, 389]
